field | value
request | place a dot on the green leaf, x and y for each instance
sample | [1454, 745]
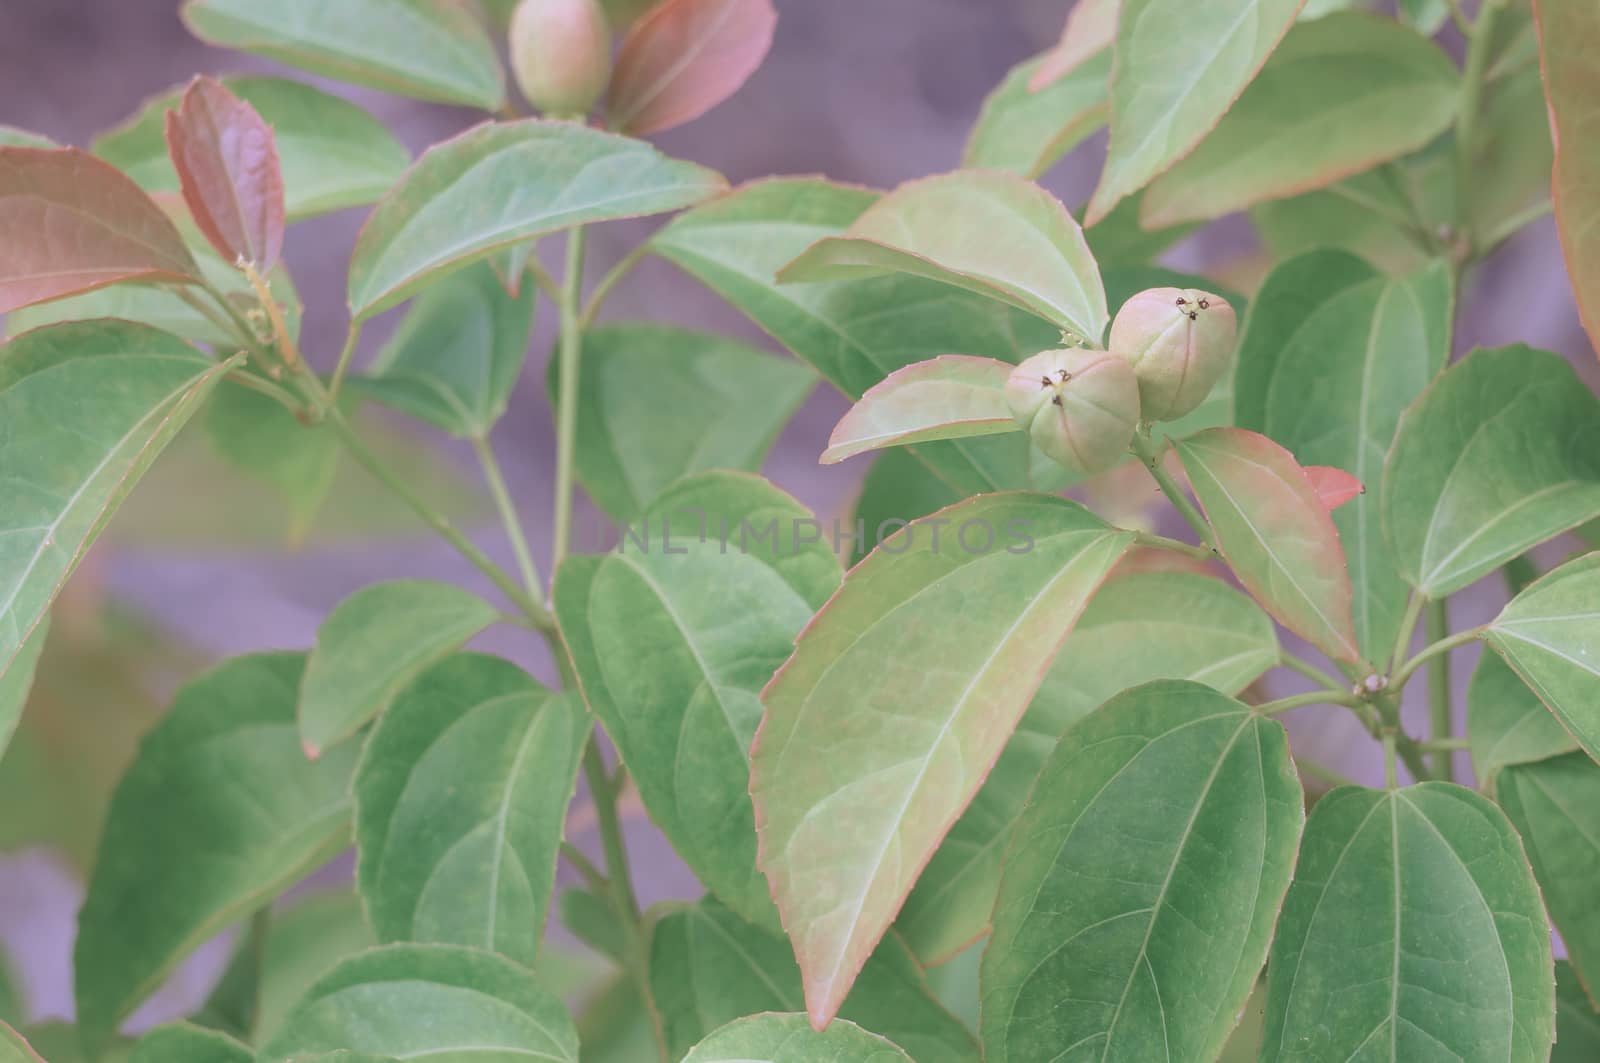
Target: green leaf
[593, 921]
[13, 1049]
[656, 403]
[898, 489]
[301, 944]
[908, 717]
[344, 1055]
[952, 396]
[1090, 30]
[1179, 65]
[1429, 16]
[775, 1038]
[1577, 1022]
[334, 154]
[456, 355]
[256, 435]
[950, 228]
[1499, 454]
[709, 967]
[854, 332]
[1413, 930]
[1555, 806]
[1507, 723]
[1026, 132]
[1550, 635]
[442, 1003]
[1140, 891]
[1512, 153]
[1141, 626]
[365, 42]
[1118, 240]
[461, 795]
[373, 644]
[87, 408]
[1275, 534]
[1341, 95]
[1332, 354]
[673, 636]
[12, 137]
[180, 1042]
[17, 680]
[1569, 31]
[225, 763]
[502, 183]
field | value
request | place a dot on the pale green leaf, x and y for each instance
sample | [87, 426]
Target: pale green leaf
[1141, 887]
[780, 1038]
[656, 403]
[674, 634]
[953, 396]
[456, 355]
[180, 1042]
[334, 154]
[441, 1003]
[461, 795]
[1499, 454]
[13, 1049]
[1333, 352]
[302, 943]
[1141, 626]
[17, 680]
[1569, 33]
[1341, 95]
[1550, 635]
[1118, 240]
[1512, 153]
[908, 717]
[709, 967]
[1577, 1021]
[1555, 806]
[12, 137]
[987, 232]
[85, 409]
[373, 644]
[1026, 132]
[1180, 64]
[218, 813]
[366, 42]
[1275, 534]
[1413, 931]
[500, 184]
[1507, 723]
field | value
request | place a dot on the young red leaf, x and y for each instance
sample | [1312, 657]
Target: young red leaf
[70, 223]
[948, 397]
[684, 58]
[1334, 487]
[227, 162]
[1090, 29]
[1569, 35]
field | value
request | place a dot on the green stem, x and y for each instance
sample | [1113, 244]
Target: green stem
[508, 514]
[591, 874]
[1161, 542]
[1436, 745]
[262, 386]
[1459, 17]
[1150, 454]
[610, 281]
[1331, 696]
[1322, 772]
[1472, 77]
[605, 806]
[1307, 669]
[542, 279]
[1443, 646]
[201, 307]
[1436, 624]
[1408, 629]
[1391, 778]
[567, 400]
[351, 337]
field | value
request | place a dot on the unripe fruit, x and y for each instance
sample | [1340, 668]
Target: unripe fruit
[1179, 342]
[561, 54]
[1079, 406]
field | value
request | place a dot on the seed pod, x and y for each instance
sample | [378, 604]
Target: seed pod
[1179, 342]
[1080, 407]
[561, 54]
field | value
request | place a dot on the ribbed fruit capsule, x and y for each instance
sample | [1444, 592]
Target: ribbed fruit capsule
[1179, 342]
[561, 54]
[1079, 406]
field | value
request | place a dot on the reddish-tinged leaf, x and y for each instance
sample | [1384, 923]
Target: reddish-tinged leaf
[684, 58]
[948, 397]
[71, 223]
[1569, 38]
[1275, 534]
[1334, 487]
[1090, 29]
[227, 162]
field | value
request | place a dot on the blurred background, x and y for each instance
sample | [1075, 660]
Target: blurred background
[204, 564]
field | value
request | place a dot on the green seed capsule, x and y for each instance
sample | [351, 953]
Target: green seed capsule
[561, 54]
[1179, 343]
[1079, 406]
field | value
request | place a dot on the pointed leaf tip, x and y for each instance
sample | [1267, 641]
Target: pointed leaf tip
[227, 161]
[1334, 487]
[684, 58]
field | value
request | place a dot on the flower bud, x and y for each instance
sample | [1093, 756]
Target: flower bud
[1179, 342]
[561, 54]
[1079, 406]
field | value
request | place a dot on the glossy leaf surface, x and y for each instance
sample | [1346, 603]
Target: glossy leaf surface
[879, 731]
[1569, 33]
[227, 164]
[948, 397]
[683, 58]
[779, 1038]
[1141, 888]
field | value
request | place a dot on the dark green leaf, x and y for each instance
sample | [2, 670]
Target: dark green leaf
[593, 921]
[673, 636]
[777, 1038]
[301, 944]
[220, 811]
[1139, 894]
[899, 488]
[17, 679]
[1024, 131]
[183, 1043]
[1413, 930]
[11, 136]
[1577, 1022]
[461, 795]
[373, 644]
[442, 1003]
[1507, 723]
[257, 436]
